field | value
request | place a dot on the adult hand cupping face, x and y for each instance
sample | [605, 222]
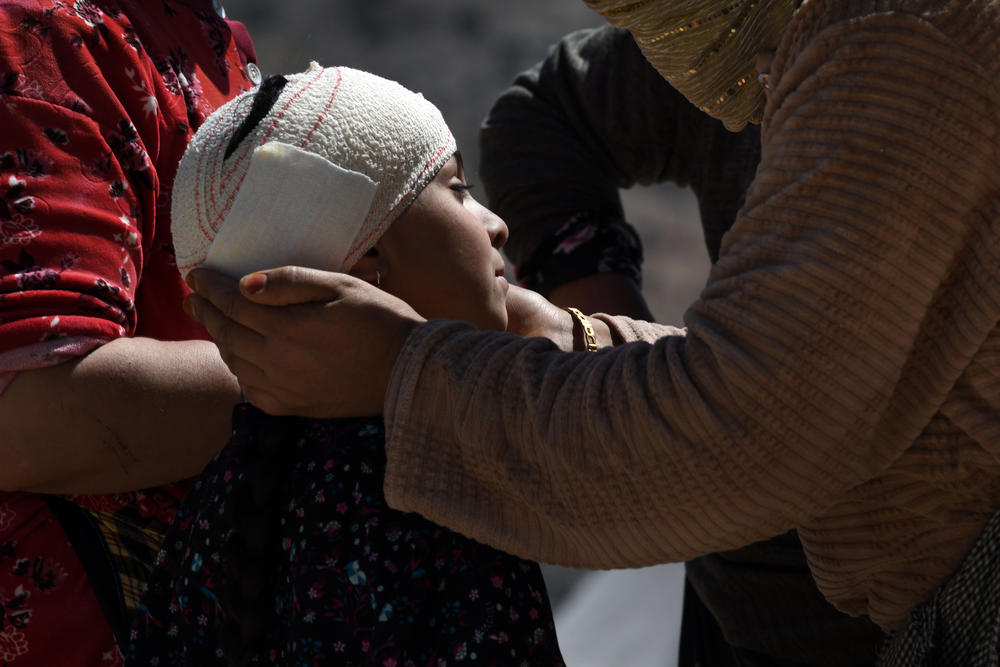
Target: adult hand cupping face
[529, 314]
[304, 342]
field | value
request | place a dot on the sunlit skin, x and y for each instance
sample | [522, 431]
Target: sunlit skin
[442, 255]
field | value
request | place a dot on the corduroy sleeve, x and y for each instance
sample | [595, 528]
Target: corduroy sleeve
[855, 286]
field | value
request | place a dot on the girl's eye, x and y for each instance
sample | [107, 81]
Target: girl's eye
[462, 187]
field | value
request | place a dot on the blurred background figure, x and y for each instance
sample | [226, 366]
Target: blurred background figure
[462, 55]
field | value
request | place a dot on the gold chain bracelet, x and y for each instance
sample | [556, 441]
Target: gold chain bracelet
[589, 339]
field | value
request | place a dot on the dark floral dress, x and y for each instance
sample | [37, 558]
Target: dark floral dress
[349, 581]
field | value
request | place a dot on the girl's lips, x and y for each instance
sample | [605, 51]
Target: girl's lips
[498, 273]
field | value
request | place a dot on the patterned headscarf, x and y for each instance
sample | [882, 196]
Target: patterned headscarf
[706, 48]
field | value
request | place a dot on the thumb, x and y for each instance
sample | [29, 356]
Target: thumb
[293, 284]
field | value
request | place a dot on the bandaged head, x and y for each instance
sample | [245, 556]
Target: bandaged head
[338, 156]
[706, 49]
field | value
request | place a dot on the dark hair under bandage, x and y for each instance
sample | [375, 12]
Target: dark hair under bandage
[263, 100]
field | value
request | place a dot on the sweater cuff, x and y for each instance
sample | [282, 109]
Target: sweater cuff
[626, 330]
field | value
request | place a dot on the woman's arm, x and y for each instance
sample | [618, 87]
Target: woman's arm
[840, 314]
[132, 414]
[86, 126]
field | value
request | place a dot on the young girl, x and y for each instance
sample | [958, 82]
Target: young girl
[284, 551]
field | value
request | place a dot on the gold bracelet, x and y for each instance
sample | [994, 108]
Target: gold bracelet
[589, 339]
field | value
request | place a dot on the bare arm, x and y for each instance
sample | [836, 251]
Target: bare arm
[134, 413]
[82, 165]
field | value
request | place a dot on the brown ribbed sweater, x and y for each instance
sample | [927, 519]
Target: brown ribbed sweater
[840, 372]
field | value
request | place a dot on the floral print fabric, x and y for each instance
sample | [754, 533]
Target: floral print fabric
[354, 582]
[97, 102]
[586, 244]
[42, 589]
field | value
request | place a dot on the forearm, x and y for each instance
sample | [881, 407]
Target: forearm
[811, 362]
[134, 413]
[639, 454]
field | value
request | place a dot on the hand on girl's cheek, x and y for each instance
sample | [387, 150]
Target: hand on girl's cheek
[334, 362]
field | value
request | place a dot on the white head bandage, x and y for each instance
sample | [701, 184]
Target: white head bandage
[319, 179]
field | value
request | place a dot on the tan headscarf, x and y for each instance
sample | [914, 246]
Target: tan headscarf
[706, 49]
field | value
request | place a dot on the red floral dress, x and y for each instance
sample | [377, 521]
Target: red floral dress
[97, 102]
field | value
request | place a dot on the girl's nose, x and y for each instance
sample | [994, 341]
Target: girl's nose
[496, 228]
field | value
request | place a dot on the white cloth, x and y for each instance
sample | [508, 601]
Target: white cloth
[294, 207]
[623, 617]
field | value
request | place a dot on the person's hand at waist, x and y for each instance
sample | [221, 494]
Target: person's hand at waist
[304, 342]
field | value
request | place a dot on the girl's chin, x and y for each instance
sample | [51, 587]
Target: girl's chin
[496, 320]
[497, 323]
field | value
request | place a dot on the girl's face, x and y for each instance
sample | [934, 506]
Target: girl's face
[442, 255]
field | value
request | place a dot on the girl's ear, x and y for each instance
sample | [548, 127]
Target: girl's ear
[371, 268]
